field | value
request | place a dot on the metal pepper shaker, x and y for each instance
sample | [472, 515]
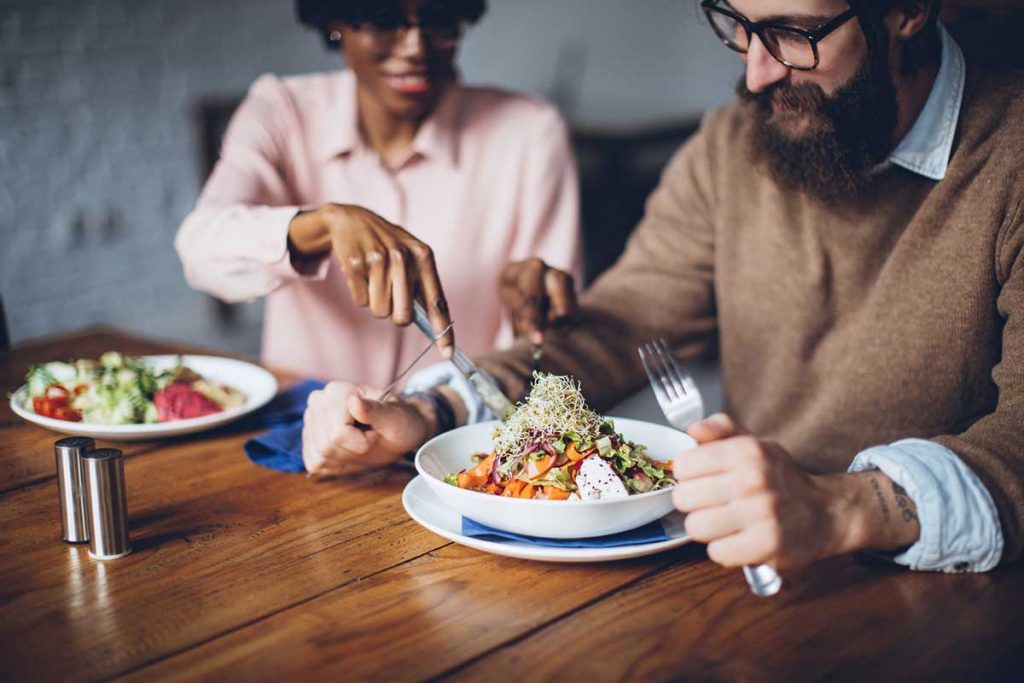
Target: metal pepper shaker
[68, 452]
[107, 504]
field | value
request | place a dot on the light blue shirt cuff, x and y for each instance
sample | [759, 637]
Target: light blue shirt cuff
[444, 373]
[960, 529]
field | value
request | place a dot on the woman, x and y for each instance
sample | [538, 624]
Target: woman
[318, 171]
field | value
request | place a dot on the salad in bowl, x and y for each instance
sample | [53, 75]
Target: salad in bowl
[554, 447]
[555, 468]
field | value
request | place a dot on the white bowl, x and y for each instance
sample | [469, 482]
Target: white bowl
[451, 451]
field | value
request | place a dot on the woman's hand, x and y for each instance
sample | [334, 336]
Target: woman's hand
[332, 442]
[386, 267]
[536, 296]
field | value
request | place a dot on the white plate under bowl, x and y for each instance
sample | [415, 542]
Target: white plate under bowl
[426, 508]
[258, 385]
[451, 451]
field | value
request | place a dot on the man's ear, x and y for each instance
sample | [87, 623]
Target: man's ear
[908, 18]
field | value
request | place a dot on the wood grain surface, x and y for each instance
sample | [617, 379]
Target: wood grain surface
[242, 573]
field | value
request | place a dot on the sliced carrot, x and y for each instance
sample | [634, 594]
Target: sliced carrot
[537, 468]
[555, 493]
[467, 480]
[483, 468]
[493, 488]
[528, 491]
[575, 455]
[513, 488]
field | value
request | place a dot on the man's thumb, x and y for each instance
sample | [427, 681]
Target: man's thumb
[715, 427]
[381, 417]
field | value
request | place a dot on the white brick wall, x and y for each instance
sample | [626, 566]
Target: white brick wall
[99, 157]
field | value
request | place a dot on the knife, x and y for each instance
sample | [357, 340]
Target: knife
[488, 391]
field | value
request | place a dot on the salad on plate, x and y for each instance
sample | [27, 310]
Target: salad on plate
[555, 447]
[118, 389]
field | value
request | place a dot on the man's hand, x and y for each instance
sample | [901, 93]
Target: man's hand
[536, 296]
[386, 267]
[750, 502]
[333, 444]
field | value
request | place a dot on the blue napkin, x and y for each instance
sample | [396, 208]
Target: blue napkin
[281, 447]
[648, 533]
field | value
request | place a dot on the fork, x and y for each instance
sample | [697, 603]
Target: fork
[682, 405]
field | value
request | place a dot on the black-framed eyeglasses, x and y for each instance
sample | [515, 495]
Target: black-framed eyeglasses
[795, 47]
[443, 32]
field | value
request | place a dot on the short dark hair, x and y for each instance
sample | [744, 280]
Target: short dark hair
[319, 14]
[920, 51]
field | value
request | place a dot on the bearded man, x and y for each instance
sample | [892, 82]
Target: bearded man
[847, 237]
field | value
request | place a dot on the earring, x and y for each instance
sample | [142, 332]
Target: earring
[335, 37]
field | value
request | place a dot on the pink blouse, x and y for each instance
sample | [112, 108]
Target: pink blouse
[490, 179]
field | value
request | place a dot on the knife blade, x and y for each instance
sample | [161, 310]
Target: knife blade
[488, 391]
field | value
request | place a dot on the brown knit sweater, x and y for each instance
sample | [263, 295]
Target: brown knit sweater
[838, 327]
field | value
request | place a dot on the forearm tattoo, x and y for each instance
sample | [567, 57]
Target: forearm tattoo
[881, 497]
[904, 503]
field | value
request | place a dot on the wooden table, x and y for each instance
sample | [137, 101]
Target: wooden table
[245, 573]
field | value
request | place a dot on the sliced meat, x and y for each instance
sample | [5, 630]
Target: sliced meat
[179, 401]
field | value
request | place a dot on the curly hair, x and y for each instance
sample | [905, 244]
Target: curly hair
[918, 52]
[319, 14]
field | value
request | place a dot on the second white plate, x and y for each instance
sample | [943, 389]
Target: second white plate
[426, 508]
[258, 385]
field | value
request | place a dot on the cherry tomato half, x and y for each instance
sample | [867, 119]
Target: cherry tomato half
[42, 406]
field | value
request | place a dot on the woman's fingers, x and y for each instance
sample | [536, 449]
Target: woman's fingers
[401, 291]
[379, 279]
[433, 295]
[353, 264]
[385, 267]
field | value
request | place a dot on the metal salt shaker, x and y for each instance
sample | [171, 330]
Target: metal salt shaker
[68, 453]
[107, 504]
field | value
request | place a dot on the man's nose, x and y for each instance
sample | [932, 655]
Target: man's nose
[762, 68]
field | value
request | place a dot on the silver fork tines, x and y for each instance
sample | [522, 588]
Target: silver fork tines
[675, 390]
[680, 400]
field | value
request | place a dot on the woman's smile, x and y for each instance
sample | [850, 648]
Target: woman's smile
[411, 82]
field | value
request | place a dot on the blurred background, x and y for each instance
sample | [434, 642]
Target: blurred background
[111, 113]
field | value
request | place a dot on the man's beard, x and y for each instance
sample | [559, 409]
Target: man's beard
[847, 135]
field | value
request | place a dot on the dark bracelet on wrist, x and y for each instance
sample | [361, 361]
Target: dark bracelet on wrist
[444, 413]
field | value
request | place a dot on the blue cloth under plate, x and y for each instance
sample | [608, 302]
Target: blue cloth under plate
[281, 447]
[648, 533]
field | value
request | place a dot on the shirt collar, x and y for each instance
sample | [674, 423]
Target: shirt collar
[927, 147]
[436, 138]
